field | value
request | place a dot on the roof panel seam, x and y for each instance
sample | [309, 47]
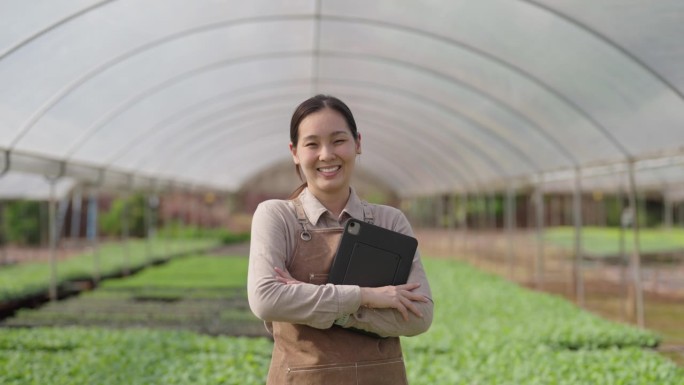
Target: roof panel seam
[611, 43]
[490, 56]
[102, 67]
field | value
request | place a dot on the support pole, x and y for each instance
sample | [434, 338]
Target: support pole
[510, 228]
[3, 222]
[52, 234]
[635, 260]
[625, 222]
[4, 260]
[150, 204]
[492, 210]
[539, 211]
[91, 232]
[464, 223]
[481, 252]
[170, 223]
[177, 231]
[578, 274]
[125, 233]
[439, 221]
[76, 201]
[482, 211]
[453, 218]
[668, 211]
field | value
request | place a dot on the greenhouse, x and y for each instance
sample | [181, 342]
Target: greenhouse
[535, 146]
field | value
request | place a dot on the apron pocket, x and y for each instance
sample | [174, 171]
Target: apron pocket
[390, 372]
[318, 279]
[321, 374]
[382, 372]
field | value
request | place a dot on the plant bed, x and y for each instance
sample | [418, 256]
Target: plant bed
[598, 242]
[200, 293]
[485, 331]
[29, 282]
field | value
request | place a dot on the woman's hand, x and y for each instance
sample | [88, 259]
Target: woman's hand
[399, 297]
[283, 276]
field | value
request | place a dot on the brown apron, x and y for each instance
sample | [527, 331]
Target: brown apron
[304, 355]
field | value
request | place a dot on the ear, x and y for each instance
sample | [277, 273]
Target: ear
[293, 150]
[358, 142]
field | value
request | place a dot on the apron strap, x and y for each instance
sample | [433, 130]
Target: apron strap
[367, 213]
[302, 219]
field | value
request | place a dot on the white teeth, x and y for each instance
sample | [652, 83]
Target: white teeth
[329, 169]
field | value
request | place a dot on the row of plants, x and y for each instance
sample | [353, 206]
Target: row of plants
[485, 331]
[201, 293]
[26, 279]
[605, 241]
[61, 356]
[490, 331]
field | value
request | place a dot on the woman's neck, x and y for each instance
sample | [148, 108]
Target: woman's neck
[335, 203]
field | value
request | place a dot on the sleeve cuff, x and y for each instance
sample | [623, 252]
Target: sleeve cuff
[348, 299]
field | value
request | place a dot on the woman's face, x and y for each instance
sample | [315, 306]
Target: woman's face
[326, 152]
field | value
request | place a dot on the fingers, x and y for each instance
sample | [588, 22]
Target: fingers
[407, 299]
[283, 276]
[402, 309]
[408, 286]
[415, 296]
[282, 273]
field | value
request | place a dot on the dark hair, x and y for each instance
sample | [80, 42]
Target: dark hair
[308, 107]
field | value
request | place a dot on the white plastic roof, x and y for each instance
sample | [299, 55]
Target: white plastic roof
[449, 95]
[19, 185]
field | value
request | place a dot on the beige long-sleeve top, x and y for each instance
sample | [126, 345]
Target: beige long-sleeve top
[274, 235]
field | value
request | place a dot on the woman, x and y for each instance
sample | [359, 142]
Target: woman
[292, 246]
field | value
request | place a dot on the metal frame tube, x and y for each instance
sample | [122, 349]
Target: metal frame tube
[464, 223]
[92, 233]
[4, 260]
[125, 233]
[149, 253]
[635, 260]
[622, 245]
[76, 201]
[510, 209]
[539, 260]
[578, 274]
[52, 234]
[668, 211]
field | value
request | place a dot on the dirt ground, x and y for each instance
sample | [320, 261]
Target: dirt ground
[606, 287]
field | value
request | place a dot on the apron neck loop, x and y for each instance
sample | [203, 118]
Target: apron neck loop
[302, 219]
[367, 213]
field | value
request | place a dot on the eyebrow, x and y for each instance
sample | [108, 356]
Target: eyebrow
[341, 132]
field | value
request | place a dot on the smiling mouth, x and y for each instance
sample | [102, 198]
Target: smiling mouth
[329, 169]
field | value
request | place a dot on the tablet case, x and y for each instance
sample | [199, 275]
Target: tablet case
[372, 256]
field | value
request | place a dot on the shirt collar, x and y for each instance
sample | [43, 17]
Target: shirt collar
[313, 208]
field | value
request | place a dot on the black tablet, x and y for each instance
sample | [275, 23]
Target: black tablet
[372, 256]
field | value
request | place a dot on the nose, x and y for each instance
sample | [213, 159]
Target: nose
[327, 153]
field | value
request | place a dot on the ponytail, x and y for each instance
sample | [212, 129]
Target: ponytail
[297, 191]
